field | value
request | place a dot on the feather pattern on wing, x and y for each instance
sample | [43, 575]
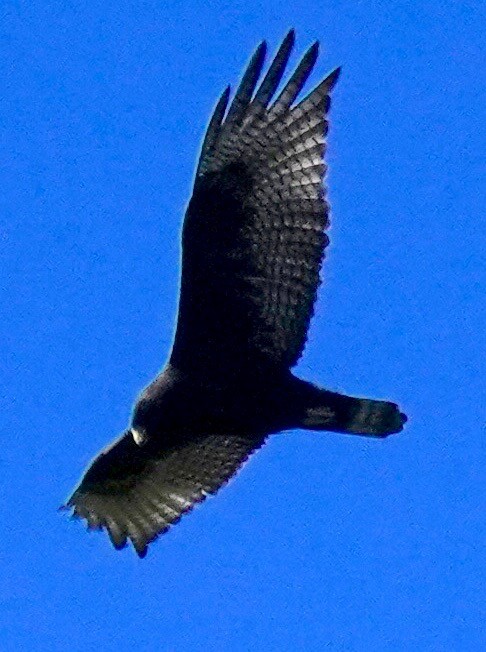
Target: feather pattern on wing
[254, 234]
[137, 493]
[253, 241]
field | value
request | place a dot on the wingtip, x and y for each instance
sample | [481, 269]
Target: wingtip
[313, 52]
[119, 545]
[261, 50]
[141, 551]
[310, 57]
[290, 37]
[333, 77]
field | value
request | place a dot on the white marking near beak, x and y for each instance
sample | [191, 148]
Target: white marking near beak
[139, 438]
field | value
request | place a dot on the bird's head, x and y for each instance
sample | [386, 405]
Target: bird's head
[158, 410]
[144, 421]
[139, 435]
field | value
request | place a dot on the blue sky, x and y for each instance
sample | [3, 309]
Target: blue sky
[323, 541]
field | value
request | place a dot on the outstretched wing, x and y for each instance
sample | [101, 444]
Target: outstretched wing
[253, 236]
[136, 493]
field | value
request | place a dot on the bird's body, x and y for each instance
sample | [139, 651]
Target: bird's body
[253, 242]
[177, 403]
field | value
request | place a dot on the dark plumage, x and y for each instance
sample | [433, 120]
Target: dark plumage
[253, 241]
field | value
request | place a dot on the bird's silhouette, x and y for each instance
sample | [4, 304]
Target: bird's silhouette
[253, 241]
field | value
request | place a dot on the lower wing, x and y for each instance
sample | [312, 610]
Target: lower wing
[137, 493]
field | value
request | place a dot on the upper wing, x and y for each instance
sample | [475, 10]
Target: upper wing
[138, 493]
[253, 237]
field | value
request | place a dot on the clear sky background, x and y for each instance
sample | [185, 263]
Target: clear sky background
[323, 541]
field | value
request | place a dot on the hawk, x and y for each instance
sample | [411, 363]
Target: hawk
[253, 240]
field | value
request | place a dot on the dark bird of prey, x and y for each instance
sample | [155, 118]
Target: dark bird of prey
[253, 241]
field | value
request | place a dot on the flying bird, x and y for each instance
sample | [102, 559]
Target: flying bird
[253, 241]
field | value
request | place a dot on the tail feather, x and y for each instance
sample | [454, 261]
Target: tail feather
[346, 414]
